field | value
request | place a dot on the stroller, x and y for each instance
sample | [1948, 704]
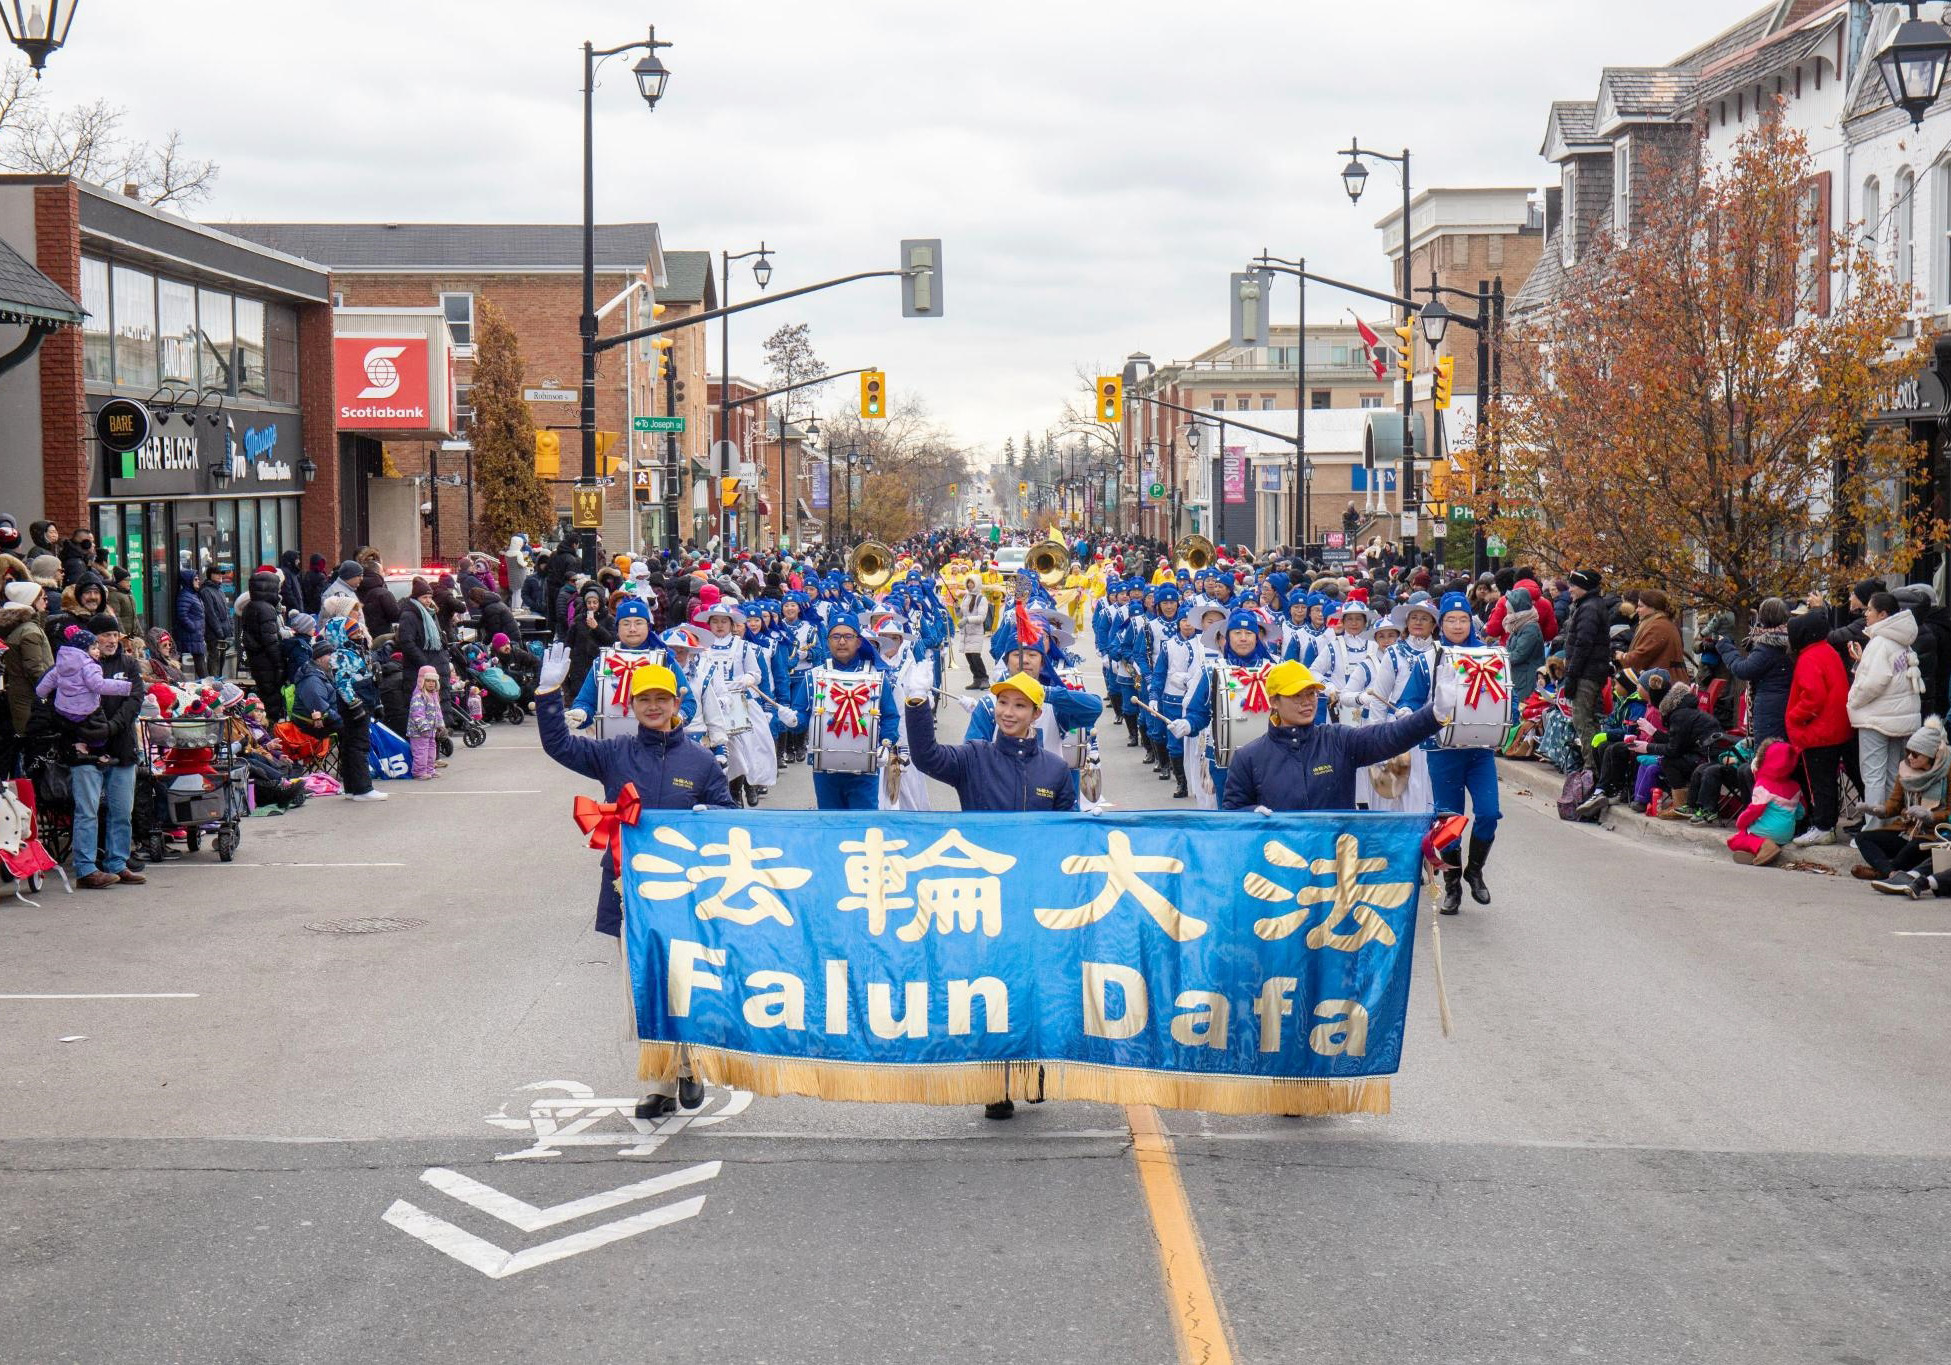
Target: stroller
[454, 713]
[194, 777]
[501, 695]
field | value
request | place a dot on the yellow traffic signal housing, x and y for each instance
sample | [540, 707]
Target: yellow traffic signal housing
[1110, 398]
[548, 455]
[605, 441]
[1406, 347]
[1441, 380]
[728, 492]
[873, 394]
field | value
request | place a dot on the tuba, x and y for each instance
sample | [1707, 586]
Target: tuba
[871, 565]
[1194, 552]
[1050, 562]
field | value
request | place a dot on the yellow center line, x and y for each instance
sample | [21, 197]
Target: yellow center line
[1196, 1318]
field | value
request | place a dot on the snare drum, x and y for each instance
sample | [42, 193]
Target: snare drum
[1239, 698]
[614, 670]
[845, 723]
[725, 711]
[1483, 711]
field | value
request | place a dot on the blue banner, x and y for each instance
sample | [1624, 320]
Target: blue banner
[1235, 963]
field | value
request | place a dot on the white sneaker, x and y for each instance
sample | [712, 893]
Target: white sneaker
[374, 795]
[1814, 836]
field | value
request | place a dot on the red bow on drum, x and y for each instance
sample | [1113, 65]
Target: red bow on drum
[1255, 683]
[1481, 678]
[849, 708]
[626, 674]
[603, 821]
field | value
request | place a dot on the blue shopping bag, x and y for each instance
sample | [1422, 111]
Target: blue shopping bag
[390, 757]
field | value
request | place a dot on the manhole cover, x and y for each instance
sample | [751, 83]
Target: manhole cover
[363, 926]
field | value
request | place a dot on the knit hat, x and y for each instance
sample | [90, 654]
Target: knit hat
[103, 622]
[421, 588]
[77, 638]
[1927, 739]
[317, 561]
[301, 624]
[323, 648]
[497, 640]
[1586, 579]
[23, 594]
[351, 571]
[632, 607]
[45, 567]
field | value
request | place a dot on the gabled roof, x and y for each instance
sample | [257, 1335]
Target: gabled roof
[1739, 70]
[688, 279]
[1746, 33]
[1541, 285]
[1569, 129]
[1628, 93]
[26, 295]
[461, 247]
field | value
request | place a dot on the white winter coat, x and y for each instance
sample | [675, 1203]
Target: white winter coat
[1884, 696]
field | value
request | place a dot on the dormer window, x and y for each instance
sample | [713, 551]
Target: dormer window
[1622, 187]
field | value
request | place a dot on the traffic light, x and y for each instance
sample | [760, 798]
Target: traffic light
[1248, 300]
[662, 345]
[1441, 380]
[677, 395]
[1406, 347]
[921, 279]
[728, 492]
[873, 394]
[548, 455]
[605, 466]
[1110, 399]
[955, 490]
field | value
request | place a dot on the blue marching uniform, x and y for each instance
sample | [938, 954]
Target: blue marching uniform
[1453, 773]
[1200, 705]
[853, 791]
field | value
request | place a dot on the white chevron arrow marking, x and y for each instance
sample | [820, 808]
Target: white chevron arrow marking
[480, 1254]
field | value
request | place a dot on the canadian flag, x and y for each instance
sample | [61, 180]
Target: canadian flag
[1370, 340]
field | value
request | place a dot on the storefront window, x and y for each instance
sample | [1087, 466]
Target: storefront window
[132, 558]
[214, 356]
[281, 354]
[135, 328]
[288, 517]
[97, 364]
[247, 541]
[155, 570]
[268, 533]
[176, 325]
[227, 532]
[250, 347]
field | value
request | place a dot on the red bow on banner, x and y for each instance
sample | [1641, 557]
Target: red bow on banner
[849, 708]
[1255, 683]
[603, 821]
[1481, 678]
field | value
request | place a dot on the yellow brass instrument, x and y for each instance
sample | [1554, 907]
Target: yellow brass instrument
[871, 565]
[1194, 553]
[1050, 562]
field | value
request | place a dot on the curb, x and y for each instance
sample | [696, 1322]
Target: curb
[1536, 784]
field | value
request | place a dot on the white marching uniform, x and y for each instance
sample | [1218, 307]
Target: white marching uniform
[1348, 664]
[723, 668]
[1409, 665]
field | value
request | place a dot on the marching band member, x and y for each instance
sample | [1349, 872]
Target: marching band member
[635, 641]
[1174, 671]
[798, 643]
[732, 672]
[664, 769]
[1300, 764]
[846, 652]
[1411, 679]
[1013, 771]
[1245, 649]
[905, 667]
[1148, 648]
[1453, 772]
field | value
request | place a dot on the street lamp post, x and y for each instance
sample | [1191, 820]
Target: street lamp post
[1436, 320]
[761, 272]
[1354, 176]
[38, 34]
[651, 76]
[1303, 485]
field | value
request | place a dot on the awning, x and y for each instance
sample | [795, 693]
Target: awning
[28, 296]
[805, 512]
[765, 508]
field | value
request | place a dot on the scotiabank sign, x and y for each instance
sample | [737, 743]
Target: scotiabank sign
[381, 383]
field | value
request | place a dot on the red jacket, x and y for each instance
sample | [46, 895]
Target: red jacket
[1818, 699]
[1547, 618]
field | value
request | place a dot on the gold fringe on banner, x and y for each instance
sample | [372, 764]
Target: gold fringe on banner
[980, 1082]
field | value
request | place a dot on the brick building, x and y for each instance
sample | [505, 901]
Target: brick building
[230, 346]
[533, 273]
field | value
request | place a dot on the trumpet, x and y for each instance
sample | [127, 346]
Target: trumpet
[871, 565]
[1049, 561]
[1193, 552]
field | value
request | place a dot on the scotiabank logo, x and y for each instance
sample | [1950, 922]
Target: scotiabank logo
[381, 383]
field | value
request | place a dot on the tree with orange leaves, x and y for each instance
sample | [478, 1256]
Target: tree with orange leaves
[1691, 410]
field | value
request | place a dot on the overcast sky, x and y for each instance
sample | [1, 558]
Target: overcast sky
[1095, 171]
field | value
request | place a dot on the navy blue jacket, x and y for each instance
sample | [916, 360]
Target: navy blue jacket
[1312, 767]
[189, 614]
[671, 772]
[1768, 671]
[994, 774]
[313, 692]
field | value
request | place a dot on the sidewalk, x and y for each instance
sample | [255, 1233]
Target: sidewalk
[1537, 784]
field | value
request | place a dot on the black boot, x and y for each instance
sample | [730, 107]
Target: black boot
[1473, 871]
[1179, 776]
[737, 784]
[1117, 708]
[656, 1106]
[1452, 891]
[1164, 762]
[1131, 729]
[690, 1092]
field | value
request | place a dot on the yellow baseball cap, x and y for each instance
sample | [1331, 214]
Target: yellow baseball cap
[1290, 679]
[655, 678]
[1024, 683]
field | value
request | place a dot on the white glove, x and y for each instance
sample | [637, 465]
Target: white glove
[1402, 711]
[577, 719]
[788, 717]
[555, 667]
[1263, 810]
[700, 807]
[968, 704]
[747, 682]
[1180, 728]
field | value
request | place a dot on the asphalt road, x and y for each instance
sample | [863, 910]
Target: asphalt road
[1691, 1112]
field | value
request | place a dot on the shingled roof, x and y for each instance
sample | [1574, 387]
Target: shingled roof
[1739, 70]
[688, 279]
[545, 247]
[26, 295]
[1639, 92]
